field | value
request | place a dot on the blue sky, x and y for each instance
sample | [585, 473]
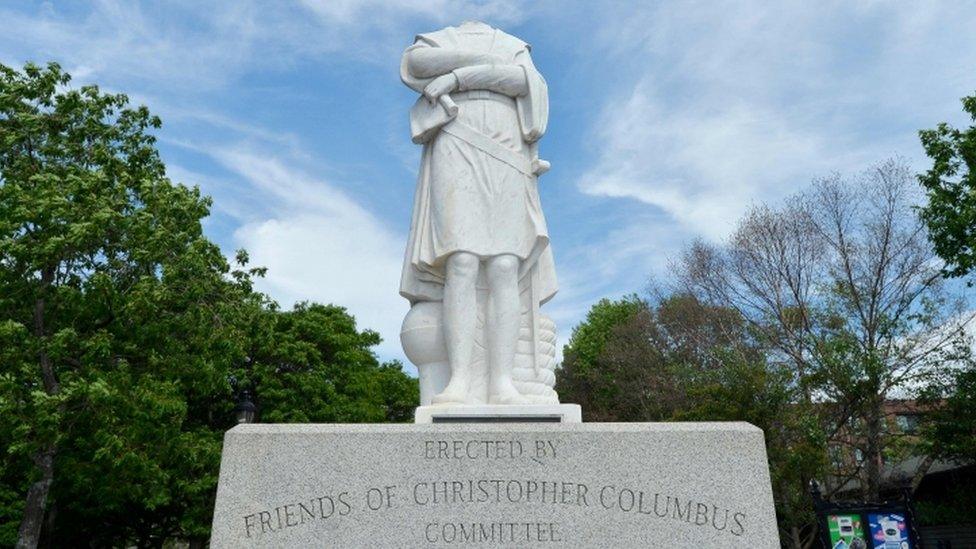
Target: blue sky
[667, 120]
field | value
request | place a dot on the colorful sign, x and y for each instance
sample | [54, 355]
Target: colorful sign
[888, 531]
[846, 532]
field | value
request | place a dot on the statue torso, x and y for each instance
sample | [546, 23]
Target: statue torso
[492, 114]
[477, 37]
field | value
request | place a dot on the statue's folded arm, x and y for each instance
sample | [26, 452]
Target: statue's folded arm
[424, 61]
[508, 80]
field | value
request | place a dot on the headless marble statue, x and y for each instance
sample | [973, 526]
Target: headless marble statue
[478, 263]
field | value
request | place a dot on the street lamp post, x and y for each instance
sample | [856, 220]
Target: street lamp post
[245, 411]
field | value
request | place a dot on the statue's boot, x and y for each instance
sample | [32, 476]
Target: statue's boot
[506, 393]
[456, 392]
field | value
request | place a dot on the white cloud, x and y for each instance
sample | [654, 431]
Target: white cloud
[383, 13]
[186, 48]
[319, 244]
[701, 166]
[712, 107]
[730, 106]
[114, 42]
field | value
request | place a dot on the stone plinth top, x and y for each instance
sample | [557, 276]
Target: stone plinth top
[488, 413]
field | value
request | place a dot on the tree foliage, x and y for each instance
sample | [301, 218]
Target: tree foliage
[843, 288]
[318, 368]
[803, 322]
[951, 188]
[125, 333]
[582, 379]
[949, 429]
[679, 359]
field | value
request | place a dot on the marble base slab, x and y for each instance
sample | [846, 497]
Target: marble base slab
[485, 413]
[557, 485]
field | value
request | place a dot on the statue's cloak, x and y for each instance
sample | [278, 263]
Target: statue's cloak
[431, 239]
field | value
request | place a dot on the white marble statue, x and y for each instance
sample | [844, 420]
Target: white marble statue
[478, 263]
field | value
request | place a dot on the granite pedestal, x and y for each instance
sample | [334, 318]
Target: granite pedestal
[495, 485]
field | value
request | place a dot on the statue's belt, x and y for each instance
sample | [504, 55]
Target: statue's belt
[489, 146]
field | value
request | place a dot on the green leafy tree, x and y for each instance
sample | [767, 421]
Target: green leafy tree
[841, 284]
[763, 395]
[948, 432]
[951, 187]
[125, 333]
[581, 378]
[682, 360]
[949, 427]
[842, 290]
[112, 301]
[314, 366]
[310, 364]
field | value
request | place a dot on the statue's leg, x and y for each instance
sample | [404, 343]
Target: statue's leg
[503, 328]
[459, 321]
